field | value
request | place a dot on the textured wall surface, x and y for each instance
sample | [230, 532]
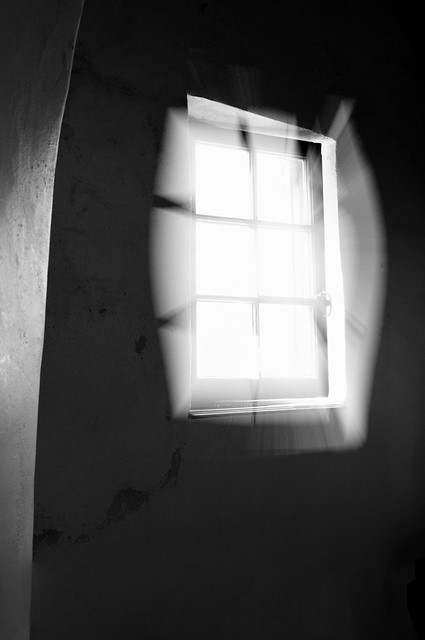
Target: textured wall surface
[146, 527]
[36, 49]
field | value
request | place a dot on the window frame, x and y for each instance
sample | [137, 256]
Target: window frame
[224, 396]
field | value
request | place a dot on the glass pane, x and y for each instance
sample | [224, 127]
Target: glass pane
[226, 345]
[225, 259]
[280, 189]
[285, 260]
[222, 184]
[287, 341]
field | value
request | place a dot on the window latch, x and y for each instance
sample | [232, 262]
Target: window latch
[324, 303]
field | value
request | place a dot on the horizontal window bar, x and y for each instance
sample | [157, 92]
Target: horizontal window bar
[253, 222]
[255, 299]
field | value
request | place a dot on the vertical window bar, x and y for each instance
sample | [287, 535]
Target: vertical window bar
[256, 306]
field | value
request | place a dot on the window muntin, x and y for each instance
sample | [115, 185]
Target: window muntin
[258, 261]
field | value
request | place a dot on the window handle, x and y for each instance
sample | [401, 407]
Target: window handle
[324, 303]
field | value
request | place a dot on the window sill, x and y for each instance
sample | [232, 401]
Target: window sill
[295, 404]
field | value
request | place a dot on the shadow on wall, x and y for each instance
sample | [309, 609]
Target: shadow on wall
[416, 599]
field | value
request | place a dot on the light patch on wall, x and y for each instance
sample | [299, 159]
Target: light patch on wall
[357, 289]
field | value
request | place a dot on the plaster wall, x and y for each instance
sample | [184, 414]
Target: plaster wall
[145, 526]
[36, 49]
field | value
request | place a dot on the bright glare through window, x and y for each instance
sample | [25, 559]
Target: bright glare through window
[255, 313]
[254, 263]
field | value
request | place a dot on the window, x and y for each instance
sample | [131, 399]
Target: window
[251, 303]
[259, 302]
[259, 333]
